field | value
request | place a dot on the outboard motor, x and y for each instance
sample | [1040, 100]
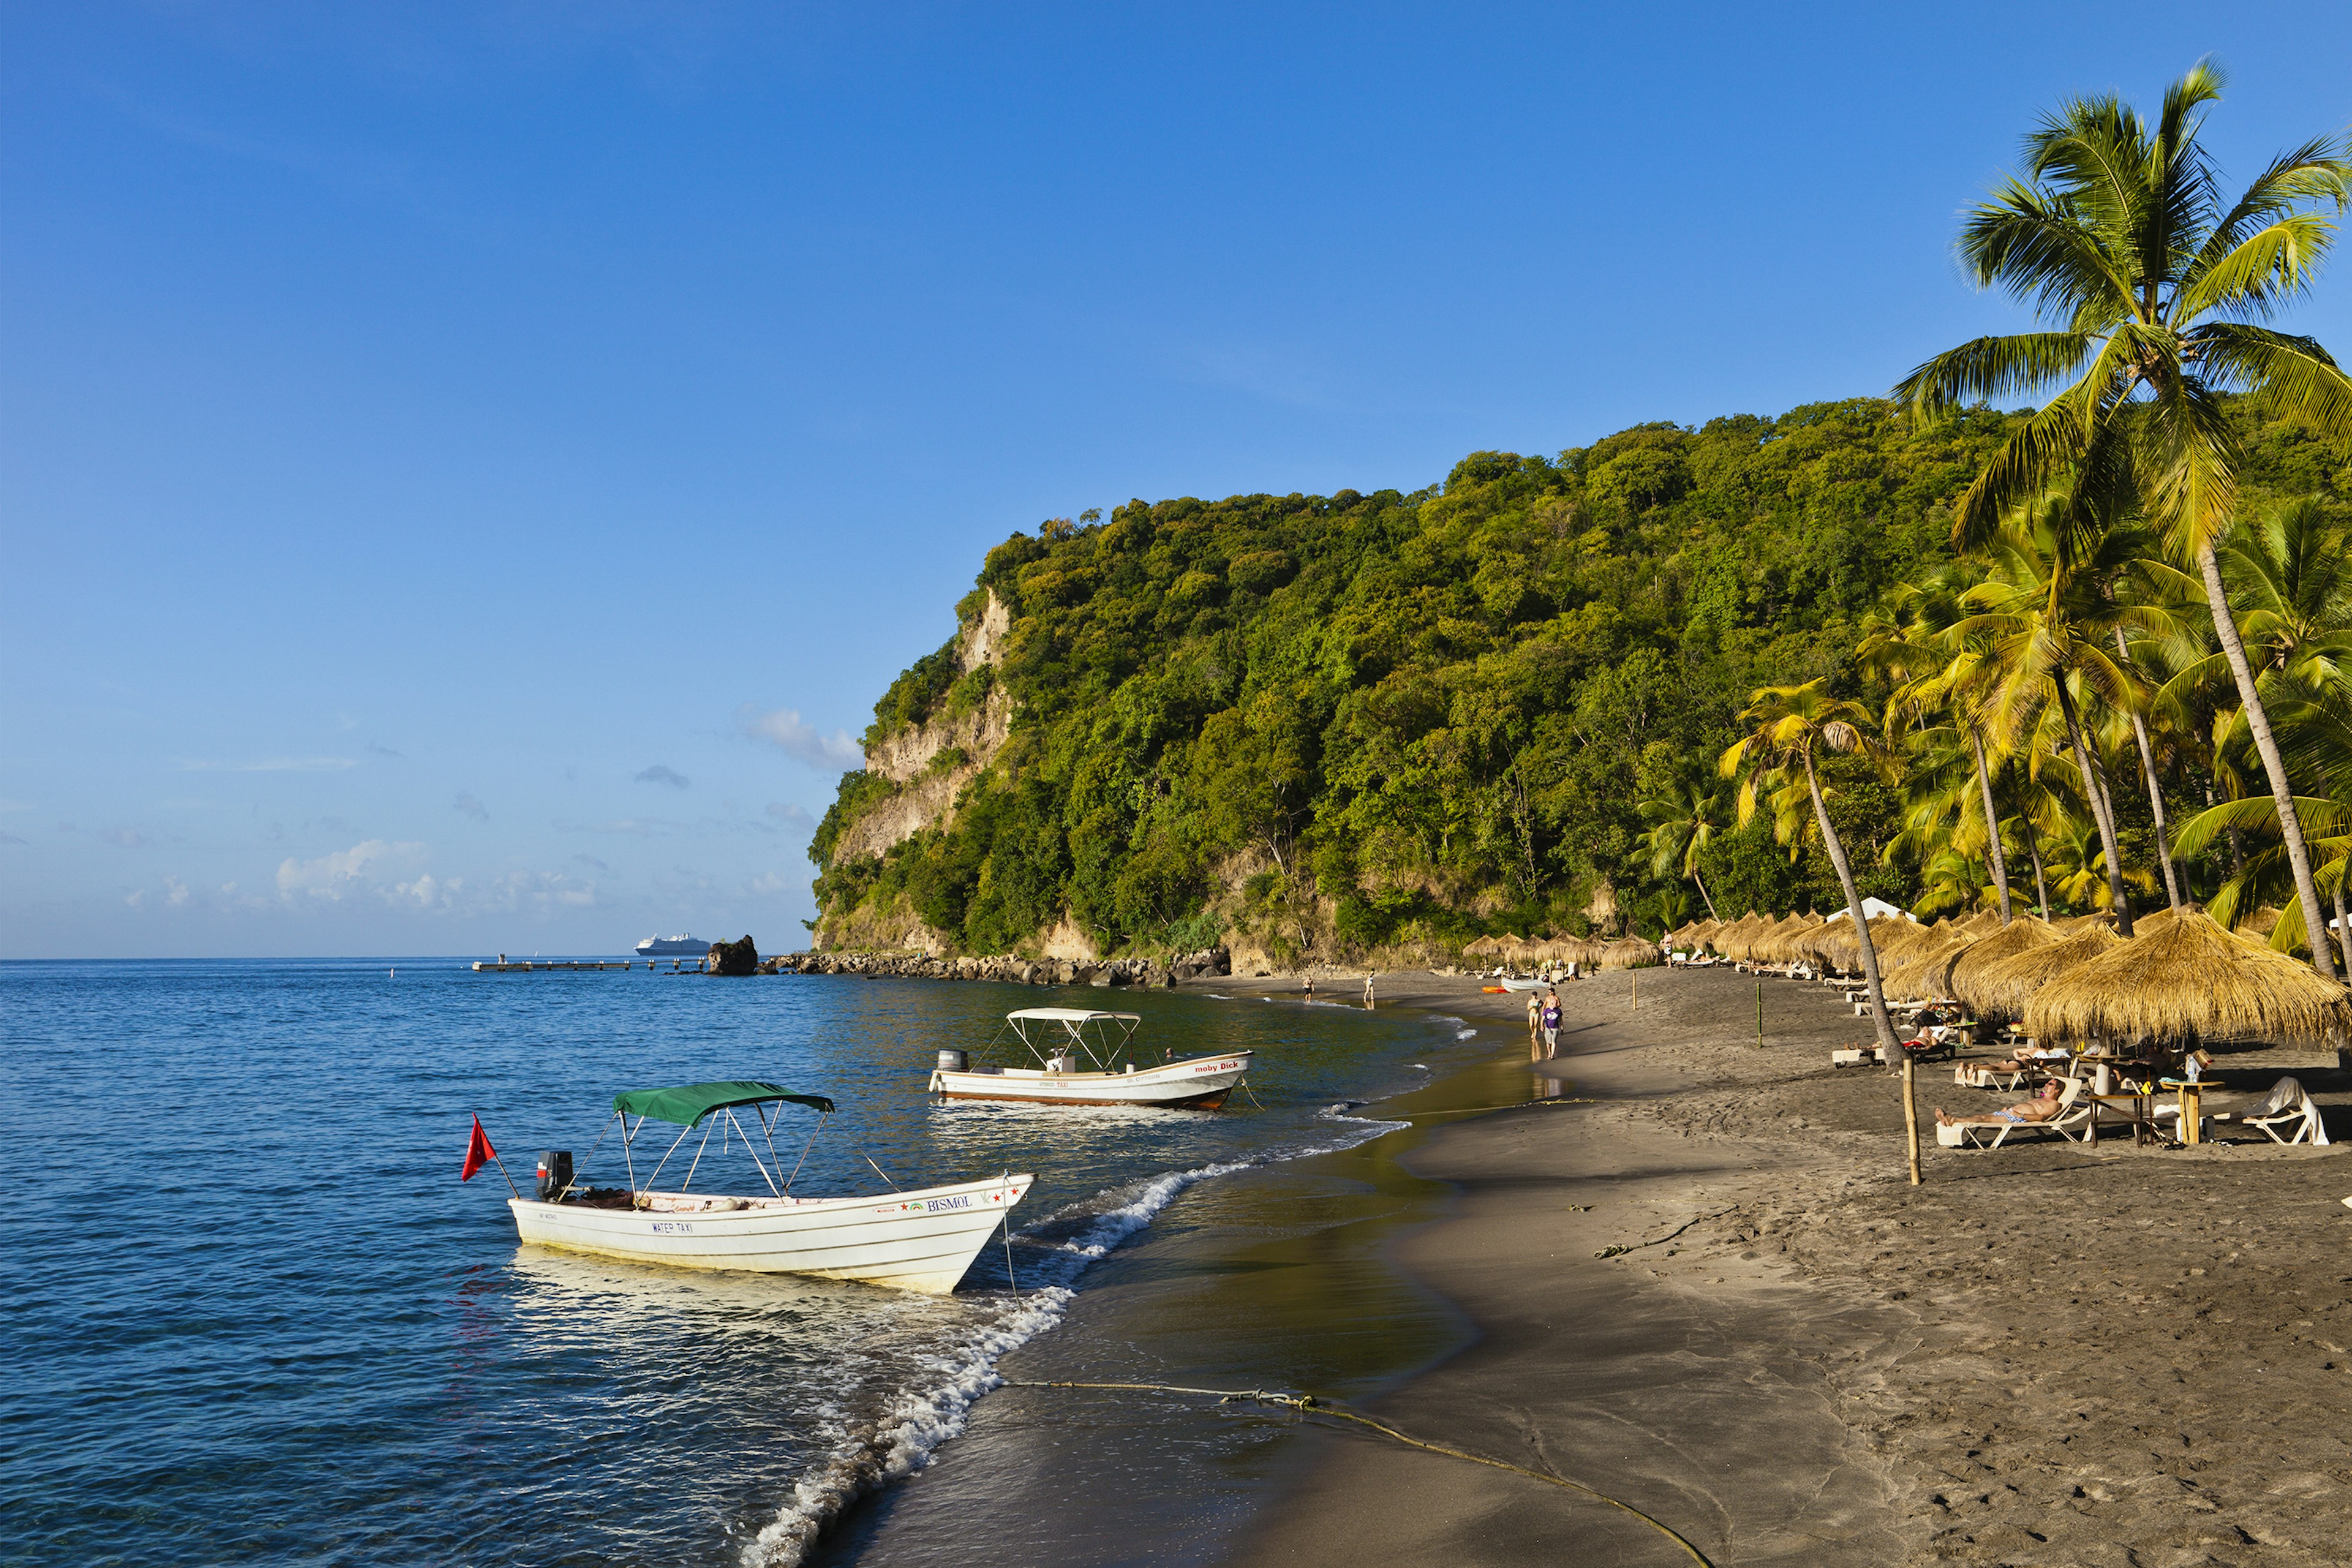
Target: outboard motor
[953, 1061]
[555, 1174]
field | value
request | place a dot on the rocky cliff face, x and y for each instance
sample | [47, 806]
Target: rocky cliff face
[929, 763]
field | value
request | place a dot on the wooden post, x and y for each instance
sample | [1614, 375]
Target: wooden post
[1910, 1119]
[1759, 1014]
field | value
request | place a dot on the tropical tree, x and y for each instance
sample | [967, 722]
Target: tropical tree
[1790, 725]
[1684, 822]
[2044, 611]
[1940, 671]
[2116, 233]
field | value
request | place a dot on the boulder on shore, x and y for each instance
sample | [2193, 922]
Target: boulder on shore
[734, 957]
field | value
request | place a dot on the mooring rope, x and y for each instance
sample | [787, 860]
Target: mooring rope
[1308, 1404]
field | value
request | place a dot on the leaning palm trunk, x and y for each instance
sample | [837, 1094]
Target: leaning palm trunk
[1705, 894]
[1993, 826]
[2258, 720]
[2094, 790]
[1879, 1020]
[2154, 790]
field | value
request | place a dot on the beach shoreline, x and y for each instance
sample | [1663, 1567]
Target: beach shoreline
[2041, 1355]
[2045, 1353]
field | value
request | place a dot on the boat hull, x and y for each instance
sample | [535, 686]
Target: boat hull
[1201, 1083]
[921, 1241]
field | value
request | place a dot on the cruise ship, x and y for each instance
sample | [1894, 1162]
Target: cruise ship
[673, 947]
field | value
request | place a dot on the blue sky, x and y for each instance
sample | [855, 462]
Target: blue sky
[467, 471]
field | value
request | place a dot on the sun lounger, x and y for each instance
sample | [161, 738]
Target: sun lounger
[2072, 1122]
[1849, 1059]
[2286, 1107]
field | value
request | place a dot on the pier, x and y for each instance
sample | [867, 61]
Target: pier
[535, 965]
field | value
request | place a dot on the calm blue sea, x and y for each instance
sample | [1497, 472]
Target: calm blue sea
[252, 1315]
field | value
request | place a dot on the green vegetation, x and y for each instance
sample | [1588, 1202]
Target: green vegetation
[1339, 724]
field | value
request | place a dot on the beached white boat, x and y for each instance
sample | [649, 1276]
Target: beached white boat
[916, 1241]
[1086, 1058]
[1513, 983]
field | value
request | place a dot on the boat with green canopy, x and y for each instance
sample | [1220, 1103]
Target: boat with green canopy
[921, 1240]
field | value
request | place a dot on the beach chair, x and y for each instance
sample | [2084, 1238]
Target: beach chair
[2072, 1123]
[2287, 1105]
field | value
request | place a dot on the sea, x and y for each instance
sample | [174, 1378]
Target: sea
[253, 1315]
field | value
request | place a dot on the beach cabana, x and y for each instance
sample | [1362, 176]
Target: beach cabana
[2187, 982]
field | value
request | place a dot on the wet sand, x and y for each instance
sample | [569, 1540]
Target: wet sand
[2048, 1353]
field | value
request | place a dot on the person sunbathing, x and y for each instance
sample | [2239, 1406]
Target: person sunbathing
[2042, 1107]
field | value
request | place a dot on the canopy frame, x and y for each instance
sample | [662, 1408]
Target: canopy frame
[1072, 1024]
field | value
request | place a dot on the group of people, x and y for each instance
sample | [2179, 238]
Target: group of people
[1309, 990]
[1543, 1021]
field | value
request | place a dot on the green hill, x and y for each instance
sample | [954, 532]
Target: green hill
[1321, 726]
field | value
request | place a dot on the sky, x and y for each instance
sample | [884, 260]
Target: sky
[467, 471]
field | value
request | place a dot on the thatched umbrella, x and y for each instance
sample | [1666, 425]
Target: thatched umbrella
[2022, 934]
[1737, 939]
[2262, 922]
[2005, 987]
[1918, 975]
[2080, 924]
[1631, 953]
[2190, 980]
[1839, 948]
[1700, 933]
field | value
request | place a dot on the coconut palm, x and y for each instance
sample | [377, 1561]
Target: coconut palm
[1684, 823]
[1940, 672]
[2117, 233]
[2044, 611]
[1792, 723]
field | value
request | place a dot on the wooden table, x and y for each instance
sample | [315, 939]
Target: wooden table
[2142, 1121]
[2191, 1124]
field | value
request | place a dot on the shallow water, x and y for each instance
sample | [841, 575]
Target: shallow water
[254, 1315]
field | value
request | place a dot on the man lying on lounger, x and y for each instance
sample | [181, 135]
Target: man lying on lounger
[2042, 1107]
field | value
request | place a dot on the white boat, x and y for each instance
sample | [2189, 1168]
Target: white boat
[917, 1240]
[1513, 983]
[679, 946]
[1060, 1038]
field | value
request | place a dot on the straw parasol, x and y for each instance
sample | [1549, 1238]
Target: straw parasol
[1631, 953]
[2190, 980]
[2262, 922]
[2004, 987]
[1484, 946]
[1732, 940]
[1838, 946]
[1919, 974]
[2022, 934]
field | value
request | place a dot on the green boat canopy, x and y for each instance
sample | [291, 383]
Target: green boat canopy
[689, 1103]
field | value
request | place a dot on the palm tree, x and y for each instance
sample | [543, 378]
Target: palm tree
[1792, 723]
[1940, 672]
[2044, 610]
[2117, 233]
[1683, 824]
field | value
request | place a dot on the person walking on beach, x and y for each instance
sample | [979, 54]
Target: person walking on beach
[1367, 990]
[1535, 1022]
[1310, 988]
[1550, 1018]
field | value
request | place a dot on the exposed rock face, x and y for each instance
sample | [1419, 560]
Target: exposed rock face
[1007, 969]
[734, 957]
[926, 793]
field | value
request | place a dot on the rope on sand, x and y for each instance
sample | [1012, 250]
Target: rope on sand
[1308, 1404]
[1472, 1110]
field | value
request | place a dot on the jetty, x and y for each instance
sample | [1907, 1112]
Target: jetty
[536, 965]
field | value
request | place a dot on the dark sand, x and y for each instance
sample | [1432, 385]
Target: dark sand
[2048, 1353]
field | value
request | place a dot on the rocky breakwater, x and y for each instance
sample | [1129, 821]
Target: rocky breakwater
[1008, 969]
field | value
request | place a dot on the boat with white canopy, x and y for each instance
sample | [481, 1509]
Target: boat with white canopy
[1085, 1058]
[921, 1240]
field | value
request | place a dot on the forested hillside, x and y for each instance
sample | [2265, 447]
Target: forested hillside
[1323, 726]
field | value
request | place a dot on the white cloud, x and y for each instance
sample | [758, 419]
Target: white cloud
[128, 837]
[792, 816]
[337, 876]
[467, 806]
[662, 775]
[272, 765]
[176, 892]
[835, 752]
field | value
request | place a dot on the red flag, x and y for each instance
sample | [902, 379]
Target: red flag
[479, 1153]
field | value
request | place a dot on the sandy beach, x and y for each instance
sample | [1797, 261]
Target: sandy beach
[2047, 1353]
